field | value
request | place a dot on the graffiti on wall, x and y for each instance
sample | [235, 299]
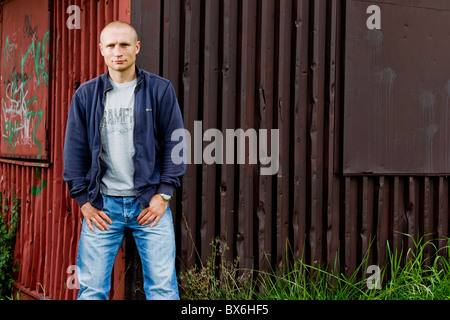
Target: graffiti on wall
[25, 81]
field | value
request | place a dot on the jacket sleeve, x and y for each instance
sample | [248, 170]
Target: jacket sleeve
[76, 154]
[169, 119]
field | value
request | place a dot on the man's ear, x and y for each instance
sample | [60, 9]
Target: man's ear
[100, 47]
[138, 47]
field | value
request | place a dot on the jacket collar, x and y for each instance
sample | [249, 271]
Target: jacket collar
[107, 84]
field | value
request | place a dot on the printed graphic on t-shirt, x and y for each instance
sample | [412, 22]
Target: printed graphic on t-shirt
[119, 120]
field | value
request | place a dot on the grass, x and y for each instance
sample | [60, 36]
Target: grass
[223, 281]
[9, 220]
[415, 274]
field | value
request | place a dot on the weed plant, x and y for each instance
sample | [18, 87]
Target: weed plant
[9, 219]
[416, 274]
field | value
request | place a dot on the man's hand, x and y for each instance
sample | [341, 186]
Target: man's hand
[154, 212]
[95, 216]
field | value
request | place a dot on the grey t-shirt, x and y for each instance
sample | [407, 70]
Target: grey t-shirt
[117, 140]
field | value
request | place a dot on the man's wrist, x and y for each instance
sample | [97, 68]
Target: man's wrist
[165, 188]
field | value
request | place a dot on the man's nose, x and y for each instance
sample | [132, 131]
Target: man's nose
[117, 51]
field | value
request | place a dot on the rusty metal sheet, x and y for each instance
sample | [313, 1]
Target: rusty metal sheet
[50, 221]
[25, 79]
[397, 89]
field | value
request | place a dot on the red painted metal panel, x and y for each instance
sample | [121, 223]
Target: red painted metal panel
[25, 85]
[50, 221]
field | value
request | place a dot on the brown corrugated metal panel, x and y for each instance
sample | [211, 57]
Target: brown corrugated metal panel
[50, 221]
[249, 64]
[279, 65]
[397, 93]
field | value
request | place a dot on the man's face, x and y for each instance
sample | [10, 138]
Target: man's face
[119, 48]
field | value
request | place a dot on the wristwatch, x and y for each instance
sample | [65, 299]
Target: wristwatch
[166, 197]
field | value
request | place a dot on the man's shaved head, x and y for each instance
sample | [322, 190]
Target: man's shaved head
[119, 46]
[120, 24]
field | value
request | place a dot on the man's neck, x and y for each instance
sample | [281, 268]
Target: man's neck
[123, 76]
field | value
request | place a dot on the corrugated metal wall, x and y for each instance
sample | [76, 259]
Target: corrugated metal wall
[50, 221]
[277, 65]
[262, 65]
[268, 64]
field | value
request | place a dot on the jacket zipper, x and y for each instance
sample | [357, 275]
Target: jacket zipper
[134, 140]
[101, 148]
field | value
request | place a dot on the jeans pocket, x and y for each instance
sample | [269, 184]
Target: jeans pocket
[164, 222]
[111, 206]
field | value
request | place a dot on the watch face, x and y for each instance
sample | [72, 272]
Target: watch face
[166, 197]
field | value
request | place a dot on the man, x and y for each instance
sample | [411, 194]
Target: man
[118, 166]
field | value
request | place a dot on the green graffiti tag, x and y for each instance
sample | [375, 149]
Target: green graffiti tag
[35, 190]
[38, 53]
[20, 122]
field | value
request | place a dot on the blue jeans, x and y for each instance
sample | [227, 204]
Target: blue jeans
[97, 251]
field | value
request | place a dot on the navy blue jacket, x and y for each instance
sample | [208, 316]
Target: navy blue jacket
[156, 115]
